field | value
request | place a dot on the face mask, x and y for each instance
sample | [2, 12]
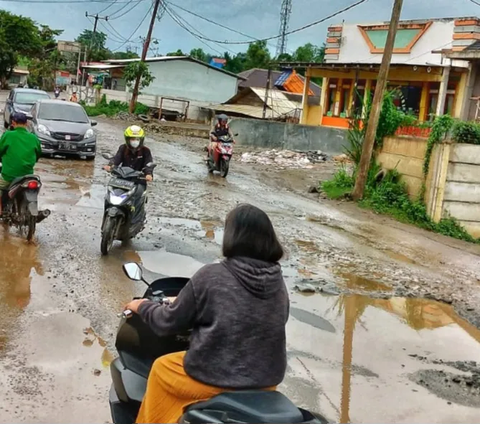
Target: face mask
[135, 143]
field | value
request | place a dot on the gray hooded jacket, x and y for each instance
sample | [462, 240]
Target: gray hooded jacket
[238, 310]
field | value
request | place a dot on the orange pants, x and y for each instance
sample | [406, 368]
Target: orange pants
[170, 390]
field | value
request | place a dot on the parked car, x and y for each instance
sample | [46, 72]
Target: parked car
[63, 129]
[21, 100]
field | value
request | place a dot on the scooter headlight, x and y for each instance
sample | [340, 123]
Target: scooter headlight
[119, 199]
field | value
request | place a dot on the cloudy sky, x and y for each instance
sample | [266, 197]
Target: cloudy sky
[257, 18]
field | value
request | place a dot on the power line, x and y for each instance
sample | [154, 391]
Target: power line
[217, 23]
[124, 13]
[70, 1]
[117, 38]
[475, 2]
[136, 29]
[183, 24]
[274, 37]
[108, 7]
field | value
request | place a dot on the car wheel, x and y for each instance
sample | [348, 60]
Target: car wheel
[5, 124]
[89, 158]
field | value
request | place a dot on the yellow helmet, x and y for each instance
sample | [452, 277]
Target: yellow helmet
[134, 137]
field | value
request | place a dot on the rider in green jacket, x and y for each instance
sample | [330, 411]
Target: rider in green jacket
[19, 152]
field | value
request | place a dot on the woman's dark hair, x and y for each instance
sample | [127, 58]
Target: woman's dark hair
[249, 233]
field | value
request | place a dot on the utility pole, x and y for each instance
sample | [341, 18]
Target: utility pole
[146, 46]
[267, 92]
[369, 141]
[96, 19]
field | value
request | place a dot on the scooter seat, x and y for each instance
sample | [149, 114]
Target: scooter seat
[253, 406]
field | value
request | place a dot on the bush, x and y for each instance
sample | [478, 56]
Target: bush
[466, 132]
[389, 196]
[341, 184]
[113, 108]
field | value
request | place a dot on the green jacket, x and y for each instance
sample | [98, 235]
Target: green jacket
[19, 152]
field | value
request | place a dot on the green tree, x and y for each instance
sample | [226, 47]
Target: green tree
[133, 70]
[177, 53]
[235, 63]
[42, 67]
[309, 53]
[257, 55]
[95, 45]
[18, 37]
[124, 55]
[199, 54]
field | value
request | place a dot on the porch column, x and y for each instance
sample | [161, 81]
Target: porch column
[464, 93]
[338, 98]
[351, 97]
[442, 93]
[366, 96]
[306, 87]
[423, 112]
[323, 97]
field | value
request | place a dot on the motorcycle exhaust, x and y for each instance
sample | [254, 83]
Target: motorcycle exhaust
[42, 215]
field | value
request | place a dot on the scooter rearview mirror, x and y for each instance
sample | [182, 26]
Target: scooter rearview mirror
[133, 271]
[107, 156]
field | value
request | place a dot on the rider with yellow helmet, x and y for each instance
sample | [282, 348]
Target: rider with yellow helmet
[134, 154]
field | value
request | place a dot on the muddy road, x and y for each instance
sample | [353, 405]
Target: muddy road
[367, 341]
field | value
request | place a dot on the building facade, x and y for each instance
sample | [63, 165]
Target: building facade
[424, 80]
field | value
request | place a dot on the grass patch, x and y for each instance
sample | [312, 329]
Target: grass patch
[341, 184]
[113, 107]
[390, 197]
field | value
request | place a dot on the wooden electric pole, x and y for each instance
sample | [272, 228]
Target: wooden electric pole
[146, 45]
[369, 141]
[88, 51]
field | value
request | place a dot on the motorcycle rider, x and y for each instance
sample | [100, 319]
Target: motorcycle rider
[135, 155]
[237, 310]
[220, 129]
[19, 152]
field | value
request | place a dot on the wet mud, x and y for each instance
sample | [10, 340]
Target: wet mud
[365, 329]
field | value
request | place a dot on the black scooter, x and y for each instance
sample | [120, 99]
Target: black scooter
[138, 347]
[124, 216]
[22, 208]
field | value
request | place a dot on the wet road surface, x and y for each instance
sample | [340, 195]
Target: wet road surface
[364, 344]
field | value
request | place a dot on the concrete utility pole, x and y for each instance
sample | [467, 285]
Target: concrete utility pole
[146, 46]
[369, 141]
[267, 92]
[96, 18]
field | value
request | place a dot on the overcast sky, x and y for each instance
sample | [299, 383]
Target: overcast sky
[258, 18]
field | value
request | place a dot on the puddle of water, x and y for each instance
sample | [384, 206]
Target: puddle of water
[307, 246]
[212, 230]
[169, 264]
[362, 283]
[18, 264]
[400, 257]
[375, 351]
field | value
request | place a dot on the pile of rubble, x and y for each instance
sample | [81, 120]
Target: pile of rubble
[285, 158]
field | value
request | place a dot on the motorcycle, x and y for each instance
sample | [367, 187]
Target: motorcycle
[124, 215]
[22, 207]
[219, 159]
[57, 93]
[138, 347]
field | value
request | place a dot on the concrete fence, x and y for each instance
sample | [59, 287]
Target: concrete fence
[281, 135]
[453, 181]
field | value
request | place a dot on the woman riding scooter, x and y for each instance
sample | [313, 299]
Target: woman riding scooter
[237, 310]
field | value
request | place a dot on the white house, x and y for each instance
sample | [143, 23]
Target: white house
[183, 77]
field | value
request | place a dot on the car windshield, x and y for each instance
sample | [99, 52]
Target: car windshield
[29, 98]
[62, 111]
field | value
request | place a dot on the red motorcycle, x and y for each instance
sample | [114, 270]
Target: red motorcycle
[219, 159]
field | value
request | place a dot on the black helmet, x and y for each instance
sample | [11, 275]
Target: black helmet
[222, 118]
[19, 118]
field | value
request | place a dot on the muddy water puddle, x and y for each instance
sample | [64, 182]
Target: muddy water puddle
[169, 264]
[207, 229]
[364, 355]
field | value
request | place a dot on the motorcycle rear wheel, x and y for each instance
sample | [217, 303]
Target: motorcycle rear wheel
[31, 222]
[224, 167]
[107, 235]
